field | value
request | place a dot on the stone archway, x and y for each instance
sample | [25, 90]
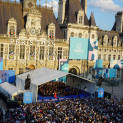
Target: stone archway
[32, 67]
[74, 70]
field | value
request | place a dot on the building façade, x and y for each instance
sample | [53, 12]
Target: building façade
[31, 37]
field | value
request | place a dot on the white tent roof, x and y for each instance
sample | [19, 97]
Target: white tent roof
[8, 89]
[42, 75]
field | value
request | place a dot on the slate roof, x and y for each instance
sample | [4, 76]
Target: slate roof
[110, 34]
[92, 20]
[10, 10]
[47, 18]
[71, 9]
[14, 10]
[114, 27]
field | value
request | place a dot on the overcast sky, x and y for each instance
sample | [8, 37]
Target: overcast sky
[104, 11]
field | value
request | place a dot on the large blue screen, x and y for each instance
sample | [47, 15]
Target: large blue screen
[7, 76]
[100, 92]
[78, 48]
[27, 97]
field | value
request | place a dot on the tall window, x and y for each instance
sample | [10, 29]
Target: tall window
[32, 49]
[11, 51]
[1, 50]
[104, 57]
[114, 57]
[21, 70]
[114, 42]
[41, 52]
[109, 57]
[22, 51]
[51, 50]
[80, 19]
[59, 52]
[99, 56]
[11, 47]
[65, 54]
[10, 69]
[118, 57]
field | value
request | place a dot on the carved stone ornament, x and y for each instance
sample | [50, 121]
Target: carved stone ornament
[35, 12]
[30, 5]
[12, 20]
[23, 31]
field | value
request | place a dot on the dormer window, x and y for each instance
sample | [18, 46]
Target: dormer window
[119, 43]
[105, 40]
[115, 41]
[51, 31]
[100, 41]
[80, 17]
[12, 27]
[51, 35]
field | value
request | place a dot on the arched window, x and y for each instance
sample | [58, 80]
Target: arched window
[72, 34]
[118, 57]
[109, 57]
[73, 71]
[104, 57]
[99, 56]
[114, 57]
[115, 41]
[105, 40]
[80, 35]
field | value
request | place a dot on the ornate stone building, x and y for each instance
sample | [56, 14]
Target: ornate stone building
[73, 22]
[31, 37]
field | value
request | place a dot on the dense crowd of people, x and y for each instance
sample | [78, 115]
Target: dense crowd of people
[68, 111]
[60, 88]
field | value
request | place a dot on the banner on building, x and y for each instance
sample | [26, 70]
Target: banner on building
[32, 56]
[11, 55]
[63, 66]
[106, 73]
[100, 73]
[98, 64]
[51, 57]
[78, 48]
[1, 63]
[7, 76]
[93, 50]
[100, 92]
[117, 64]
[111, 73]
[27, 98]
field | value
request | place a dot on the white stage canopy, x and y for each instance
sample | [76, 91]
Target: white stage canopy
[8, 89]
[42, 75]
[38, 77]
